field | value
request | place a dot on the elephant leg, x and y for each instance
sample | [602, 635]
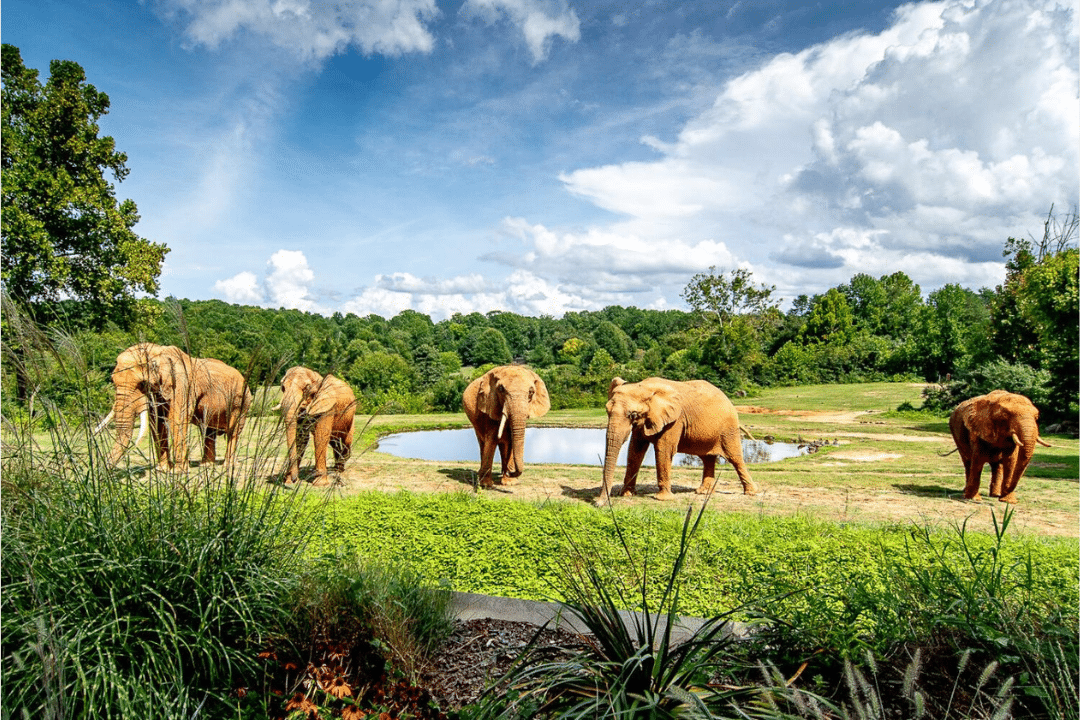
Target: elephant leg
[159, 434]
[342, 445]
[708, 475]
[323, 429]
[232, 438]
[974, 478]
[665, 453]
[209, 455]
[748, 486]
[995, 479]
[635, 455]
[1011, 470]
[487, 457]
[302, 436]
[506, 477]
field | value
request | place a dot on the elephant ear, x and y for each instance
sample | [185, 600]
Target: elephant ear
[161, 371]
[664, 409]
[615, 383]
[487, 397]
[322, 399]
[541, 401]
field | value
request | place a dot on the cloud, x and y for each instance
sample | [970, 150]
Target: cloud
[288, 281]
[286, 284]
[539, 20]
[925, 145]
[242, 288]
[311, 29]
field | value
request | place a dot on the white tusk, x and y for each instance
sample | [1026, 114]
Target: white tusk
[502, 423]
[142, 426]
[103, 423]
[1043, 442]
[1016, 439]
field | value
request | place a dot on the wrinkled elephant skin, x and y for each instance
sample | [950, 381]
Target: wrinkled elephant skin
[321, 405]
[497, 404]
[176, 390]
[691, 417]
[999, 428]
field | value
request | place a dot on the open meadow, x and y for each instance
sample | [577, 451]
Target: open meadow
[879, 466]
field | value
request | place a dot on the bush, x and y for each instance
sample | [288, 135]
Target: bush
[128, 596]
[982, 379]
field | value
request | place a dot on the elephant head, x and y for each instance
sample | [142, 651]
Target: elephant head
[646, 407]
[507, 395]
[153, 378]
[301, 397]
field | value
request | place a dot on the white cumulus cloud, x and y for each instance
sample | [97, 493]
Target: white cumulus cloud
[930, 143]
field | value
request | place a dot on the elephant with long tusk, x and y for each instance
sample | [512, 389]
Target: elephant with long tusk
[170, 390]
[504, 398]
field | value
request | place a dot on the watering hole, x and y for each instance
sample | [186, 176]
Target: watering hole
[564, 446]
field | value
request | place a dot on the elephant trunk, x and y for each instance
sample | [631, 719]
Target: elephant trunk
[517, 416]
[617, 433]
[126, 407]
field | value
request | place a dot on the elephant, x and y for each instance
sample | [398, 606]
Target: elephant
[175, 390]
[322, 404]
[509, 394]
[692, 417]
[1000, 428]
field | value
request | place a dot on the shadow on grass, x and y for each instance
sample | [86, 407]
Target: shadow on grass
[934, 491]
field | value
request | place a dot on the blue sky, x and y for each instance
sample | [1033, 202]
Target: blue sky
[543, 156]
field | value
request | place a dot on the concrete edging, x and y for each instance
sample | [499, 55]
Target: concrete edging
[472, 606]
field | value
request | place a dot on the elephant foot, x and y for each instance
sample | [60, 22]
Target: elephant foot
[322, 481]
[506, 480]
[487, 483]
[628, 492]
[704, 489]
[974, 498]
[749, 490]
[664, 495]
[1010, 498]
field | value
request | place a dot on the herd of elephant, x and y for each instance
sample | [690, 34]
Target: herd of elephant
[173, 390]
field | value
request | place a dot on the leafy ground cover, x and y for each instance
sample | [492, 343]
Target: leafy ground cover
[861, 558]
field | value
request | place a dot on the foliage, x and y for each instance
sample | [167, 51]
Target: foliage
[64, 233]
[982, 379]
[129, 596]
[632, 667]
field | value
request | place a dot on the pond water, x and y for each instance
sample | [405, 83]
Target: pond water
[566, 446]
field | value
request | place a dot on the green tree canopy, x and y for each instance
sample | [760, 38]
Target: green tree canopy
[720, 297]
[830, 319]
[64, 233]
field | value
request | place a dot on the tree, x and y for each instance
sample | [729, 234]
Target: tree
[1050, 301]
[63, 232]
[737, 312]
[888, 306]
[830, 319]
[722, 297]
[954, 331]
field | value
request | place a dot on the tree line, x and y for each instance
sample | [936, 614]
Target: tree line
[75, 273]
[1021, 336]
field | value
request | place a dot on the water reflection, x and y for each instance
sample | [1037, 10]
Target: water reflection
[565, 446]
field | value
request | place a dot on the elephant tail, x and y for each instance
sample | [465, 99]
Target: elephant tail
[103, 423]
[948, 453]
[745, 432]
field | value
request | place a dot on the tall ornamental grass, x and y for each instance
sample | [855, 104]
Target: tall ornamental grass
[129, 592]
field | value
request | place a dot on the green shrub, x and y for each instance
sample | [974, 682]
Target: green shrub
[129, 596]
